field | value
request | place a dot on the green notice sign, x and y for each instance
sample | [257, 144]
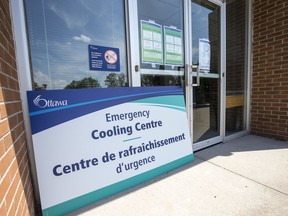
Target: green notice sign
[173, 46]
[151, 40]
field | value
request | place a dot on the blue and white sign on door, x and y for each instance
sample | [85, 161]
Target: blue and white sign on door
[104, 58]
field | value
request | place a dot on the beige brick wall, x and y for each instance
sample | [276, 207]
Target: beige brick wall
[16, 192]
[270, 69]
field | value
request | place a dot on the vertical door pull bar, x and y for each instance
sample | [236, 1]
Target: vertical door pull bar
[197, 75]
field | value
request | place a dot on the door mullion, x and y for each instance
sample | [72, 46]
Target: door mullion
[133, 43]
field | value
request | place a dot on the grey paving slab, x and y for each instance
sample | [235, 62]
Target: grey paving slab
[261, 159]
[211, 185]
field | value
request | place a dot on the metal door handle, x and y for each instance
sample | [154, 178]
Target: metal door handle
[197, 77]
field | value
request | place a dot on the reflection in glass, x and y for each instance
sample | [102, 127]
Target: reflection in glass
[59, 34]
[206, 27]
[157, 80]
[206, 96]
[206, 110]
[161, 44]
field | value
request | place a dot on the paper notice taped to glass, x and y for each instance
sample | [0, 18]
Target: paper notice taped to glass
[204, 55]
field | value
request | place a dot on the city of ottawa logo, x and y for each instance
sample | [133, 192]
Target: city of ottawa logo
[44, 103]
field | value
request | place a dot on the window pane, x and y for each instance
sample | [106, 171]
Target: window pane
[206, 31]
[236, 33]
[59, 35]
[206, 19]
[161, 46]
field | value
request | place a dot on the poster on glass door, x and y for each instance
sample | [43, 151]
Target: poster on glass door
[204, 55]
[151, 41]
[173, 46]
[104, 58]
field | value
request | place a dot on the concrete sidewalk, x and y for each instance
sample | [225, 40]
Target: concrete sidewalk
[247, 176]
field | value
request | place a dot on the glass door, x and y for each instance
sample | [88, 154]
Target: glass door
[207, 71]
[178, 42]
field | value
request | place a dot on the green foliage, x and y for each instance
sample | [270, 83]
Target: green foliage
[112, 80]
[87, 82]
[115, 80]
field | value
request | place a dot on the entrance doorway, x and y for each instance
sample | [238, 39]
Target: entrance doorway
[161, 43]
[181, 43]
[207, 73]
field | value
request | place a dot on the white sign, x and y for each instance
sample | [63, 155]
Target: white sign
[110, 57]
[92, 143]
[204, 55]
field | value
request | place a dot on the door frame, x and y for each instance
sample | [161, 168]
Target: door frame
[187, 33]
[222, 78]
[135, 62]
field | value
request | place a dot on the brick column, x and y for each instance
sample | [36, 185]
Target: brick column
[269, 110]
[16, 192]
